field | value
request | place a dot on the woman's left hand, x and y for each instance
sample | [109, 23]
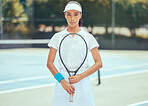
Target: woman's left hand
[75, 79]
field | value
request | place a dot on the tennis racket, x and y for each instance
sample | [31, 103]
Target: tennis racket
[73, 53]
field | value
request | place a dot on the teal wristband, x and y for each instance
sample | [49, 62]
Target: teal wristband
[58, 77]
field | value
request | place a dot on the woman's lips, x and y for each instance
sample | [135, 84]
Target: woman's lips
[72, 22]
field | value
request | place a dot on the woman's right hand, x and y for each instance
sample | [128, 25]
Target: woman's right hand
[68, 87]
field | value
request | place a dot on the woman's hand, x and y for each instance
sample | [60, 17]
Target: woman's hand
[75, 79]
[68, 87]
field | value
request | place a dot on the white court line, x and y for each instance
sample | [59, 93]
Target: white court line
[43, 77]
[27, 88]
[25, 41]
[48, 85]
[25, 79]
[127, 73]
[127, 66]
[139, 103]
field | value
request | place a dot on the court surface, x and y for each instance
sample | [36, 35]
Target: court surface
[26, 81]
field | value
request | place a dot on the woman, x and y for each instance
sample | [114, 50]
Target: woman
[79, 85]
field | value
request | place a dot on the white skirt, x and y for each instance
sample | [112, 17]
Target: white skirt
[83, 93]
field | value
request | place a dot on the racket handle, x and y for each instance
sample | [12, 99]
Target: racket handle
[70, 98]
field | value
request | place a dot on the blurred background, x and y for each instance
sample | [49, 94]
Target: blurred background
[116, 24]
[120, 27]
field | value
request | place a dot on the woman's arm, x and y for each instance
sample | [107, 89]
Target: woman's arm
[51, 57]
[94, 68]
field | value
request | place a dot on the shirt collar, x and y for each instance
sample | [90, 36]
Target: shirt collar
[68, 32]
[80, 32]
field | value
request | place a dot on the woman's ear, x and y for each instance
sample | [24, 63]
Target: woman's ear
[65, 14]
[81, 15]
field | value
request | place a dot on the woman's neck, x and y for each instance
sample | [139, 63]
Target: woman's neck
[73, 29]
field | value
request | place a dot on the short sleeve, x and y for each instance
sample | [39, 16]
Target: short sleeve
[53, 41]
[92, 42]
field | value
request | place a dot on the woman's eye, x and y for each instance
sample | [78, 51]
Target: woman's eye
[68, 14]
[76, 14]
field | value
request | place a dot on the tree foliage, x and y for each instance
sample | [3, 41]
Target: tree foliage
[129, 13]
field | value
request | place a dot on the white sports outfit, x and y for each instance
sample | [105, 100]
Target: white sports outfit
[83, 92]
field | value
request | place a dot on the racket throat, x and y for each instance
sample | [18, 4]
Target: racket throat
[71, 73]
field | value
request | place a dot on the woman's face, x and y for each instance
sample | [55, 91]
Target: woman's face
[73, 17]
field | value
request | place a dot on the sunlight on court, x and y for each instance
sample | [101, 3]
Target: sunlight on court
[24, 70]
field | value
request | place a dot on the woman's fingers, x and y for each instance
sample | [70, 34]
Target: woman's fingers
[73, 88]
[72, 81]
[75, 79]
[70, 89]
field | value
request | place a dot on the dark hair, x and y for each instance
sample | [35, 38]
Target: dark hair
[80, 22]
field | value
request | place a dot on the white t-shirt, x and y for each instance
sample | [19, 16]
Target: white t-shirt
[74, 48]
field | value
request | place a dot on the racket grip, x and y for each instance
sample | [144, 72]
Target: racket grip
[70, 98]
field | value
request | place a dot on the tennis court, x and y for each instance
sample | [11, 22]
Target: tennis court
[26, 81]
[119, 26]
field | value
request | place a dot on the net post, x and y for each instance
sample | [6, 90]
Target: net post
[1, 20]
[99, 80]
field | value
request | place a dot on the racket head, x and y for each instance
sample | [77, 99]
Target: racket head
[73, 52]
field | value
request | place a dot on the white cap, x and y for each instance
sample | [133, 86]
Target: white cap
[72, 6]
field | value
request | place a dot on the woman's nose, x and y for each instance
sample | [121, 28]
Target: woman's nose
[72, 18]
